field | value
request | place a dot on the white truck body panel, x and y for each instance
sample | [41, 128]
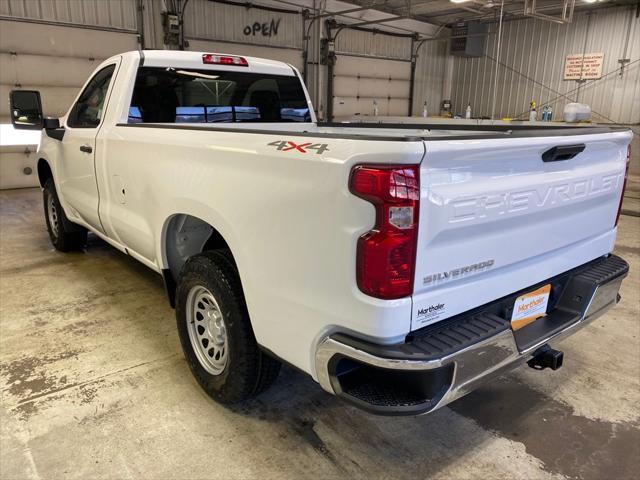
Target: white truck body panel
[275, 211]
[292, 224]
[488, 201]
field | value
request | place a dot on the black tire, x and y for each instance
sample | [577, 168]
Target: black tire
[64, 234]
[248, 370]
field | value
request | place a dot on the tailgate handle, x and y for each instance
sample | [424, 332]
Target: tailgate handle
[562, 152]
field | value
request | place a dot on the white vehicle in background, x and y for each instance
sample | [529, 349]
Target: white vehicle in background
[399, 267]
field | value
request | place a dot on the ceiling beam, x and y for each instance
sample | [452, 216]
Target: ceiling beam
[382, 20]
[373, 6]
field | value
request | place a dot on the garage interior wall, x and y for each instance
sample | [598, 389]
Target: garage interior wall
[56, 58]
[430, 75]
[371, 66]
[537, 49]
[275, 34]
[53, 46]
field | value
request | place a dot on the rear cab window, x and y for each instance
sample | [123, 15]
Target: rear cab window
[177, 95]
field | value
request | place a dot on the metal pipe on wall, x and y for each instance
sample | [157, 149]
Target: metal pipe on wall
[305, 49]
[584, 51]
[318, 90]
[330, 73]
[495, 79]
[68, 24]
[140, 23]
[181, 8]
[413, 77]
[624, 60]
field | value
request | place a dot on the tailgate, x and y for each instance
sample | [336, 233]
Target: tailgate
[496, 218]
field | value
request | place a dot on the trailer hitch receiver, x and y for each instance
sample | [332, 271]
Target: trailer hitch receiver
[546, 357]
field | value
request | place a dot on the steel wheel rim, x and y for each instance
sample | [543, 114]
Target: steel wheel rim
[207, 330]
[52, 212]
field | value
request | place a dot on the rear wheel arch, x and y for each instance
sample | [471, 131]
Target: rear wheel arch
[183, 237]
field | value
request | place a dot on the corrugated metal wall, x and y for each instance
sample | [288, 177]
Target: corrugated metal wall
[217, 27]
[537, 49]
[217, 21]
[119, 14]
[429, 78]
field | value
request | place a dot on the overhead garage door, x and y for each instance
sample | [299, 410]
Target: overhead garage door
[54, 59]
[359, 81]
[43, 47]
[371, 67]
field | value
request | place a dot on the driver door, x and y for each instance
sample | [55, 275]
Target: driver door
[77, 176]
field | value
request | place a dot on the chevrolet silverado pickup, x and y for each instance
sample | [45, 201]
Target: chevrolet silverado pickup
[400, 266]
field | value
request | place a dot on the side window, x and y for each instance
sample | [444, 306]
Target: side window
[87, 112]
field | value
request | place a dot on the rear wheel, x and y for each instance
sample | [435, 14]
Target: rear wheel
[65, 235]
[215, 330]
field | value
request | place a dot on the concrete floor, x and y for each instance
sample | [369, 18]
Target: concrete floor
[94, 385]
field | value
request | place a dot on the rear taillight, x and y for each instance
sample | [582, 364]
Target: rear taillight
[232, 60]
[386, 254]
[624, 184]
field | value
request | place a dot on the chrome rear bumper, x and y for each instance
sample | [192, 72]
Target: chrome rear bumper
[403, 380]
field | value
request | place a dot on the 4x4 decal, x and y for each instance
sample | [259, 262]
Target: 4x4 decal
[288, 145]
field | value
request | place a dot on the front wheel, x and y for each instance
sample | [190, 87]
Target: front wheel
[65, 235]
[215, 330]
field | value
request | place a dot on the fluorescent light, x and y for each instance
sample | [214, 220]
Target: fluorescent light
[459, 1]
[586, 1]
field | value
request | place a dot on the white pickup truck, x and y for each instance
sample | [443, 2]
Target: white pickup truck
[399, 266]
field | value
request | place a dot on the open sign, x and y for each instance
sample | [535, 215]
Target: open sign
[269, 29]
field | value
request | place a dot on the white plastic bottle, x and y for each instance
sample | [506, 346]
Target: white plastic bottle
[424, 110]
[533, 114]
[467, 113]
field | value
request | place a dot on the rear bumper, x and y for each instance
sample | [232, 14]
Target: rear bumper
[447, 360]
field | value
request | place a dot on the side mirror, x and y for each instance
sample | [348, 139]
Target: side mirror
[26, 110]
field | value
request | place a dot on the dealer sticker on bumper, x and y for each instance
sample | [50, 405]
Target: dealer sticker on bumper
[530, 306]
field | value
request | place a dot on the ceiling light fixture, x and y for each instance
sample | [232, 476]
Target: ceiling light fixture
[459, 1]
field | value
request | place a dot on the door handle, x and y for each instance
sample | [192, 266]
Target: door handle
[86, 149]
[562, 152]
